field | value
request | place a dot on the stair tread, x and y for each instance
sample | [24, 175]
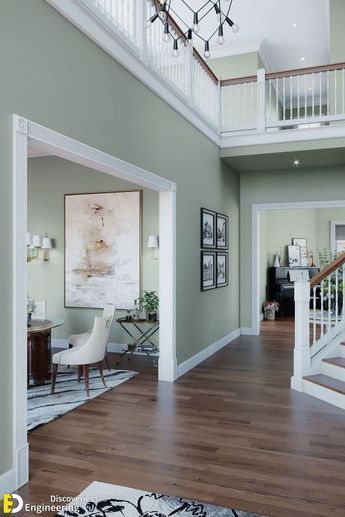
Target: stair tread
[337, 361]
[327, 382]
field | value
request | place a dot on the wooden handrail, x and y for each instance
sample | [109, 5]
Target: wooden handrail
[239, 80]
[306, 71]
[286, 73]
[196, 54]
[333, 266]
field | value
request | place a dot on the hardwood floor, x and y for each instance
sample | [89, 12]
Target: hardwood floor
[230, 432]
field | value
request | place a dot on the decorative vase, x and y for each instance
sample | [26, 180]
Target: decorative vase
[270, 315]
[152, 316]
[276, 260]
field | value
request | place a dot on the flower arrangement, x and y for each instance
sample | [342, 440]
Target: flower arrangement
[271, 306]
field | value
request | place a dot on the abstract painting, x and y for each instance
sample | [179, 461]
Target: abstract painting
[102, 249]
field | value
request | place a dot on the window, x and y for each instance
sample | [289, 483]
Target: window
[338, 235]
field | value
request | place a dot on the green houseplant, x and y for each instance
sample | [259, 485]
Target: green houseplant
[149, 303]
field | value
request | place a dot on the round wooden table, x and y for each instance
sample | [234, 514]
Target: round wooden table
[39, 349]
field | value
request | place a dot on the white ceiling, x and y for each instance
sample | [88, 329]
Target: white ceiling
[268, 25]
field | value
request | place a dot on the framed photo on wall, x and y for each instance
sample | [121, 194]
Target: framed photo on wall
[208, 270]
[222, 231]
[103, 235]
[207, 228]
[294, 256]
[222, 269]
[302, 243]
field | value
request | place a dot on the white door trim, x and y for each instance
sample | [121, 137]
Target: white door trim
[72, 150]
[256, 209]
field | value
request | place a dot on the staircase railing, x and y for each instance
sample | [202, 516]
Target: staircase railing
[319, 317]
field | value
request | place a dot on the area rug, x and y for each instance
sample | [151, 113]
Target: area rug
[69, 394]
[105, 500]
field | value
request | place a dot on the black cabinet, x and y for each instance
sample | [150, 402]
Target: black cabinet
[281, 289]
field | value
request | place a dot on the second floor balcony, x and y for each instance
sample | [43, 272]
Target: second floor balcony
[261, 103]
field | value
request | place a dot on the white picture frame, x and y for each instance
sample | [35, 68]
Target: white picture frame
[294, 256]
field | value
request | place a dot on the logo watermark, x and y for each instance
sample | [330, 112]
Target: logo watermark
[14, 503]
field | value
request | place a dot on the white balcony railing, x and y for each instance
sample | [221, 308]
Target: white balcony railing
[263, 102]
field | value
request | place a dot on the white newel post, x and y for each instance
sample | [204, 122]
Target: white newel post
[302, 350]
[261, 100]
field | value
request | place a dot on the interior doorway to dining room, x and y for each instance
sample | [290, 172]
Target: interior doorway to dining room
[47, 169]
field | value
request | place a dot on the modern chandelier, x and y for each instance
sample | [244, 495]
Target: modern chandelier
[166, 13]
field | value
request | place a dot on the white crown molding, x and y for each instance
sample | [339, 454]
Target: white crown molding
[236, 49]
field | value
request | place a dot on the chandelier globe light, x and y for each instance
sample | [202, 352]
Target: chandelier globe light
[167, 13]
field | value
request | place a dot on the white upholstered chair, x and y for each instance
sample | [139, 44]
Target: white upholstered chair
[79, 339]
[92, 351]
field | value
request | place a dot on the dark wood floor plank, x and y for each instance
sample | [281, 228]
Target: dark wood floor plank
[231, 432]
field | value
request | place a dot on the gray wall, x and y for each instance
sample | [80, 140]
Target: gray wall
[275, 187]
[57, 77]
[49, 178]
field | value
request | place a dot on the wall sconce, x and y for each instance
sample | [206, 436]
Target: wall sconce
[38, 247]
[153, 244]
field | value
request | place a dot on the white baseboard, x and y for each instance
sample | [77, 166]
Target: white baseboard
[8, 482]
[198, 358]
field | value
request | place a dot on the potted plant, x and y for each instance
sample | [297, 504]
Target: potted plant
[270, 309]
[149, 302]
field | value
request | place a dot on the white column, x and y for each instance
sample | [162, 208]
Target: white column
[167, 289]
[302, 348]
[20, 442]
[261, 100]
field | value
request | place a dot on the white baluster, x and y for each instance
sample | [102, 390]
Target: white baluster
[343, 89]
[320, 86]
[305, 96]
[284, 100]
[336, 294]
[329, 301]
[291, 109]
[277, 98]
[298, 99]
[312, 95]
[328, 94]
[314, 314]
[322, 307]
[335, 92]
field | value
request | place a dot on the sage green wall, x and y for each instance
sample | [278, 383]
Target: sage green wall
[337, 33]
[49, 178]
[285, 186]
[278, 227]
[58, 77]
[235, 66]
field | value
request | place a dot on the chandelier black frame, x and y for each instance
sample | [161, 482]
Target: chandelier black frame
[166, 14]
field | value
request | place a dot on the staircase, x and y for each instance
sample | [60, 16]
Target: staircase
[319, 354]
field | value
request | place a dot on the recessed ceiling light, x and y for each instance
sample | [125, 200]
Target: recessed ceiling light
[309, 88]
[294, 25]
[296, 162]
[302, 58]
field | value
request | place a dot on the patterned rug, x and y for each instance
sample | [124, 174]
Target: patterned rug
[105, 500]
[69, 394]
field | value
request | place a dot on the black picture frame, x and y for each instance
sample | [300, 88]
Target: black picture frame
[222, 269]
[207, 229]
[222, 232]
[207, 276]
